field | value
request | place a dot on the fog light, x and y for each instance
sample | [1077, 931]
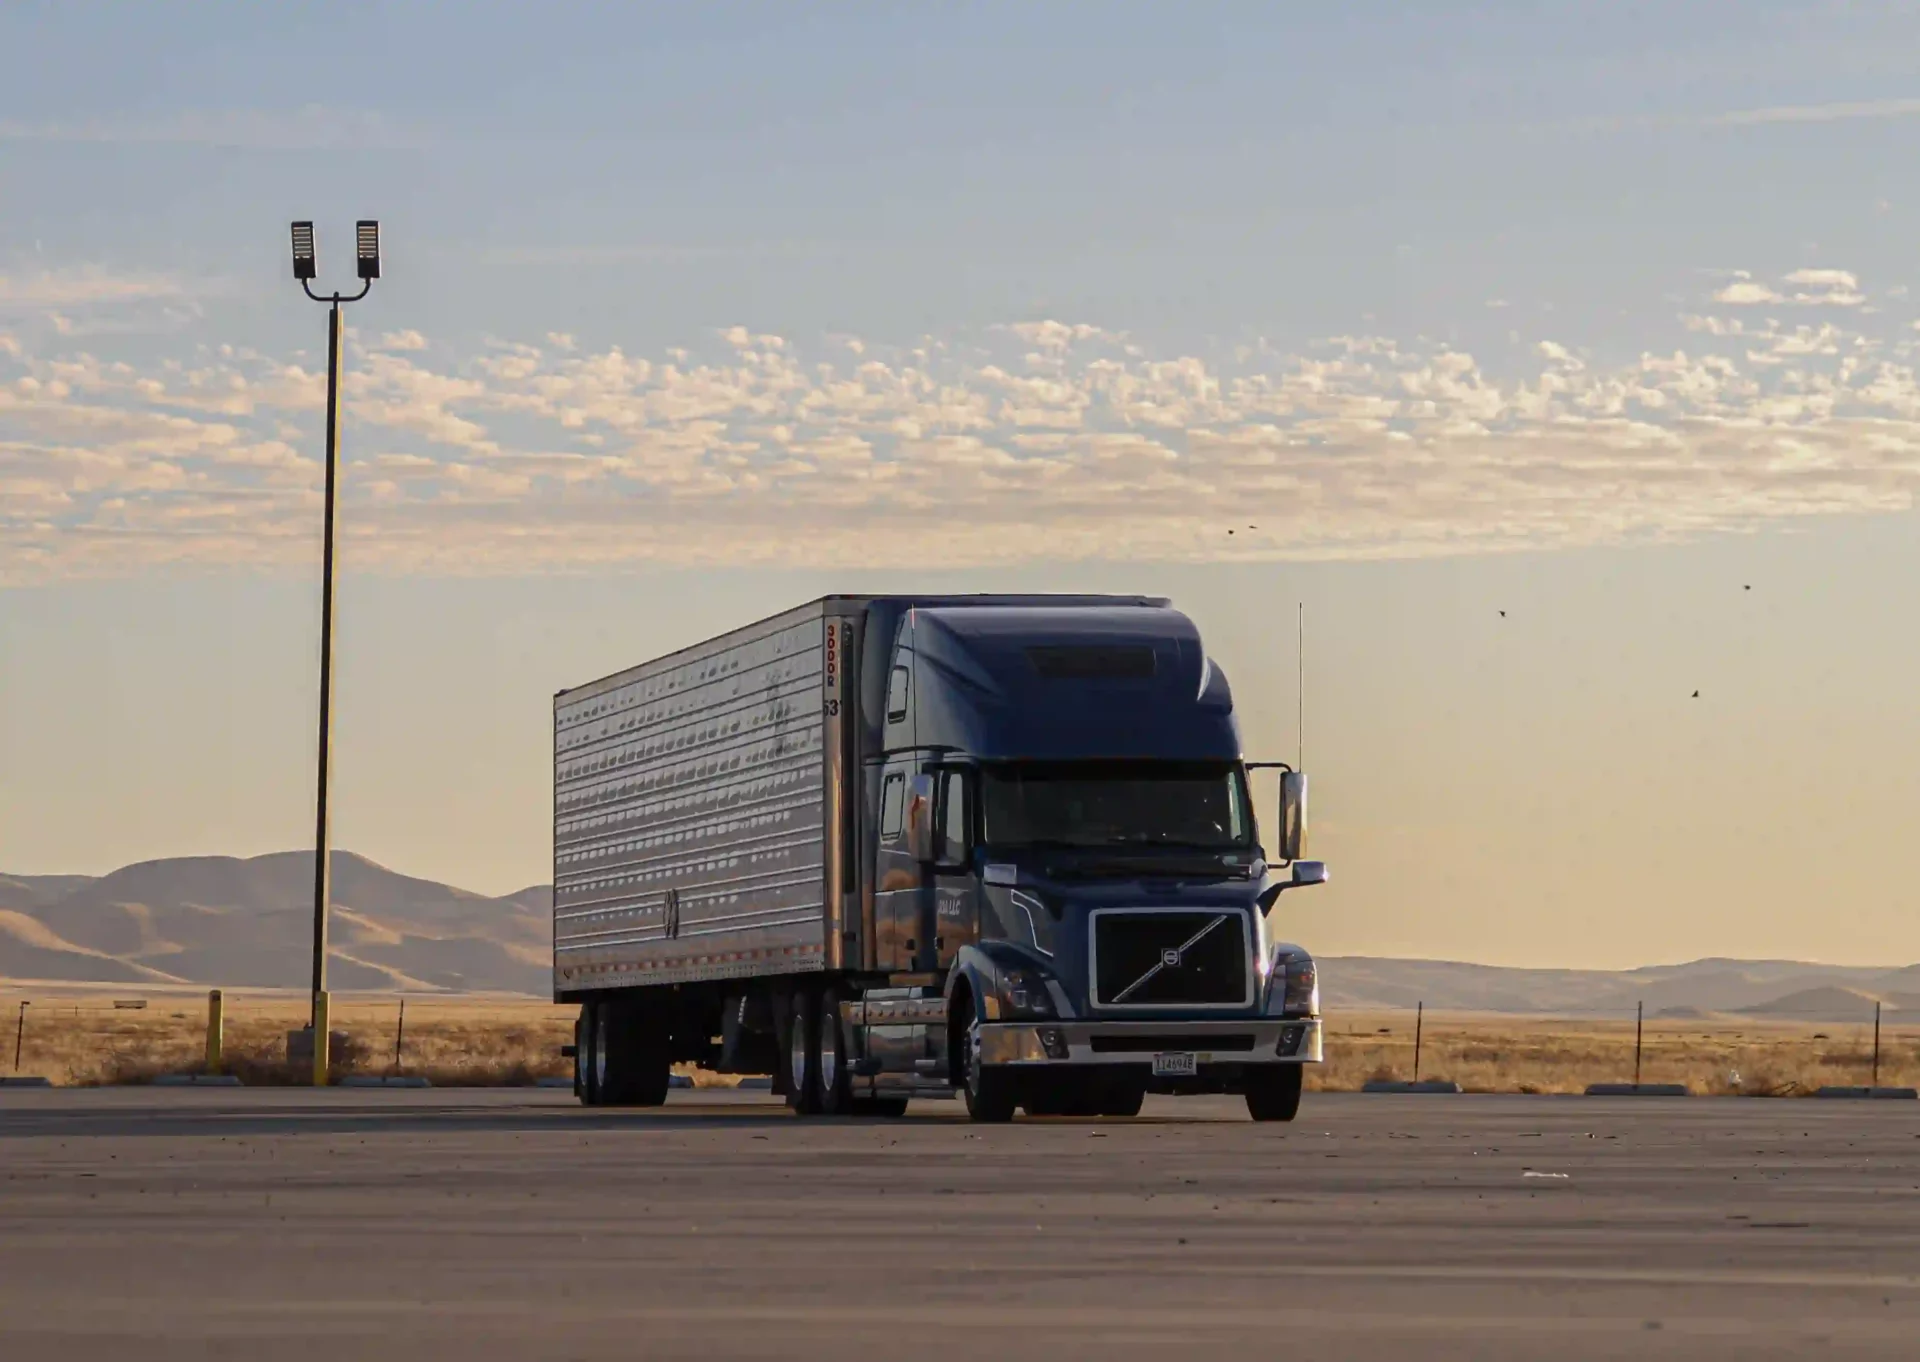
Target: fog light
[1054, 1041]
[1290, 1038]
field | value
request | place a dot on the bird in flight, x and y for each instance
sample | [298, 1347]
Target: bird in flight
[1696, 695]
[1747, 587]
[1503, 614]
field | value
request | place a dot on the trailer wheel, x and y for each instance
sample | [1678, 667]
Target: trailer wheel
[830, 1045]
[1273, 1092]
[579, 1057]
[587, 1056]
[803, 1053]
[632, 1057]
[989, 1091]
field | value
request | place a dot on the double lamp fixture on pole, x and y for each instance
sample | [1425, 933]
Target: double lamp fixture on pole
[366, 238]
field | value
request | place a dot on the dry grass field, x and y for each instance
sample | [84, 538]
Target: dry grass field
[1484, 1053]
[83, 1038]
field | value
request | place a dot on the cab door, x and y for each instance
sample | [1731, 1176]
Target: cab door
[897, 874]
[956, 895]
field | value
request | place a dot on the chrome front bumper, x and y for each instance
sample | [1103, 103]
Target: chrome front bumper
[1274, 1040]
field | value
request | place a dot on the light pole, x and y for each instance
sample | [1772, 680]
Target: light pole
[366, 238]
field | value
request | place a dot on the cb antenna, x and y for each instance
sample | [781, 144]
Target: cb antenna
[1300, 685]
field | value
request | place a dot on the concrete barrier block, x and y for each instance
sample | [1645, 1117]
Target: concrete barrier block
[1868, 1094]
[757, 1084]
[553, 1082]
[1638, 1090]
[197, 1081]
[1424, 1085]
[24, 1081]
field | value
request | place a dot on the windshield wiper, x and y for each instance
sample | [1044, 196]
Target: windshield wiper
[1154, 839]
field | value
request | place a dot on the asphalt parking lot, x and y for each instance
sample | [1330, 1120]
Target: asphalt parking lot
[288, 1224]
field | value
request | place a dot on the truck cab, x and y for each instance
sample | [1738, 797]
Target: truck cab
[1069, 892]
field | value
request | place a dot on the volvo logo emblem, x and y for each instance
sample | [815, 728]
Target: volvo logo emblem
[1170, 957]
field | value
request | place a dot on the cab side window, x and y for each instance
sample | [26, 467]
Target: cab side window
[897, 695]
[892, 803]
[952, 812]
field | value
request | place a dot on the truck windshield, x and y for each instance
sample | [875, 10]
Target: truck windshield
[1114, 804]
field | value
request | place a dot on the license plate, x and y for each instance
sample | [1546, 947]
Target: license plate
[1171, 1064]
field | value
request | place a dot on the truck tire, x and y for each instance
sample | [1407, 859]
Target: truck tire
[1273, 1092]
[579, 1057]
[830, 1045]
[634, 1058]
[587, 1056]
[989, 1092]
[803, 1053]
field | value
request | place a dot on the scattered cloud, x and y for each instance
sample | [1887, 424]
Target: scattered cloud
[1811, 287]
[1041, 439]
[1819, 113]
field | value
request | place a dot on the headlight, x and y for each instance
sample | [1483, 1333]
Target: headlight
[1023, 993]
[1298, 991]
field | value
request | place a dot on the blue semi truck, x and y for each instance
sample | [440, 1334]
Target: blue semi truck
[885, 847]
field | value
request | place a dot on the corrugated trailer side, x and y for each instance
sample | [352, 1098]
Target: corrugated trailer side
[693, 797]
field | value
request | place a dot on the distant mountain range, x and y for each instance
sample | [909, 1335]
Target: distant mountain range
[227, 922]
[220, 921]
[1779, 989]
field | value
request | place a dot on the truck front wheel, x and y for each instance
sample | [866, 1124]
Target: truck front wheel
[989, 1091]
[1273, 1092]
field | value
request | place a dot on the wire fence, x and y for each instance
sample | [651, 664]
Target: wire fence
[1529, 1054]
[452, 1041]
[133, 1038]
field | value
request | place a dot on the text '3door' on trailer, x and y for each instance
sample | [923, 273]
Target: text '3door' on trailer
[898, 847]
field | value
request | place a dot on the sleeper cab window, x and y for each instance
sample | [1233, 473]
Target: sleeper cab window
[897, 695]
[892, 797]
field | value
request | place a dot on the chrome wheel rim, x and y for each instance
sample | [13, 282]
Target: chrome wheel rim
[797, 1051]
[829, 1054]
[600, 1049]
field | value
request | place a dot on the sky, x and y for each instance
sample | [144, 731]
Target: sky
[1598, 315]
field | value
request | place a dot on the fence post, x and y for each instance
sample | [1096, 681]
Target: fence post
[20, 1033]
[1639, 1014]
[399, 1035]
[216, 1030]
[1419, 1013]
[322, 1036]
[1876, 1042]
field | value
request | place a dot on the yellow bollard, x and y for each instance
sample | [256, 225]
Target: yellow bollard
[322, 1031]
[216, 1029]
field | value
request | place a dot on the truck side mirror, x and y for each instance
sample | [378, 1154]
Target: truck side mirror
[920, 818]
[1293, 816]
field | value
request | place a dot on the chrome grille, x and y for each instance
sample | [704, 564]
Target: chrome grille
[1171, 958]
